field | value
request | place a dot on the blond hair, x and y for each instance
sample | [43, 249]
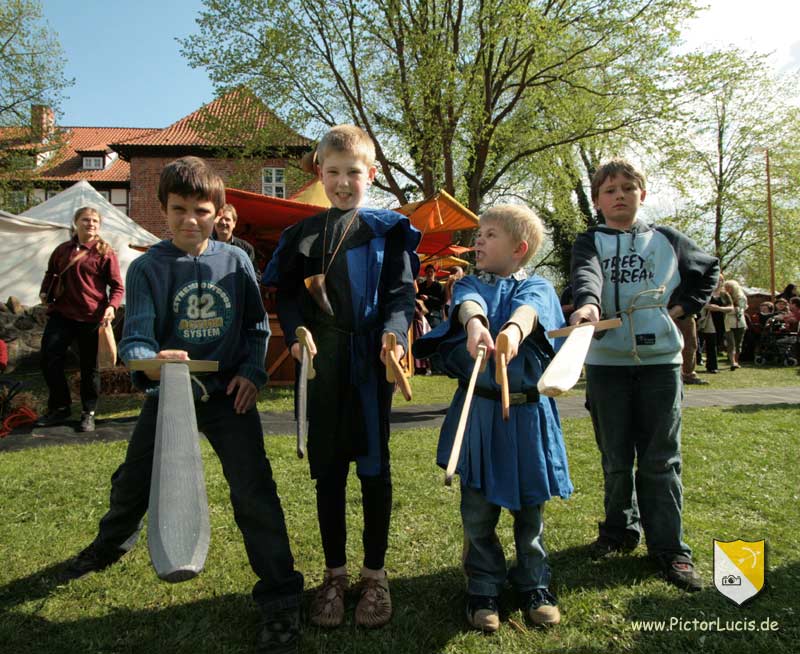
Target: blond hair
[349, 139]
[521, 223]
[102, 246]
[734, 290]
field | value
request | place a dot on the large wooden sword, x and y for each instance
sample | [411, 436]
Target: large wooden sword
[565, 369]
[178, 529]
[306, 372]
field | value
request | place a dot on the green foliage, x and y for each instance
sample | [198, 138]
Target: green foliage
[460, 96]
[31, 62]
[31, 72]
[714, 157]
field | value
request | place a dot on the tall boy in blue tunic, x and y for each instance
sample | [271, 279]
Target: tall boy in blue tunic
[520, 463]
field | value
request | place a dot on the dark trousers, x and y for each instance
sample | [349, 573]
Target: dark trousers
[59, 333]
[636, 413]
[710, 343]
[376, 503]
[239, 443]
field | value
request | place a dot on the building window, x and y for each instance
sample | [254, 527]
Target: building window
[106, 195]
[93, 163]
[273, 182]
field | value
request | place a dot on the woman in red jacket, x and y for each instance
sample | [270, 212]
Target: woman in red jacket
[83, 289]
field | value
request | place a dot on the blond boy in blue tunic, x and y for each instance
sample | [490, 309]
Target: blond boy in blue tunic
[520, 463]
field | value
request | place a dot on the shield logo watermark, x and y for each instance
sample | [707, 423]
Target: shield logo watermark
[739, 568]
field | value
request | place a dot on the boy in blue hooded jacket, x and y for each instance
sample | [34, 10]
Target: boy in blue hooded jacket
[196, 298]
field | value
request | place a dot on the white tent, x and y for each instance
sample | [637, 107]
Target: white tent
[27, 241]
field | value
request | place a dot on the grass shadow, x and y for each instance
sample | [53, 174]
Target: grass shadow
[428, 613]
[758, 408]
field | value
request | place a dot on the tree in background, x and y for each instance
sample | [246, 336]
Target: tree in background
[31, 73]
[713, 155]
[476, 97]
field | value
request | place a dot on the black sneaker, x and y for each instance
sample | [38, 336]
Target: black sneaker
[679, 571]
[54, 417]
[541, 607]
[280, 631]
[605, 546]
[87, 421]
[92, 559]
[482, 613]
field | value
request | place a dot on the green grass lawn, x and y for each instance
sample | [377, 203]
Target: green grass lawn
[740, 476]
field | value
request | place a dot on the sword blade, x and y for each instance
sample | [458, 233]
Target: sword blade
[178, 530]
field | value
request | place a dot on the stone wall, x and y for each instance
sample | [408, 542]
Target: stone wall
[21, 328]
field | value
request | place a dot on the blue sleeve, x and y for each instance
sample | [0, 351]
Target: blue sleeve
[255, 327]
[138, 335]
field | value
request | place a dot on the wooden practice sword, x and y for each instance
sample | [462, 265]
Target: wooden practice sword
[565, 369]
[178, 530]
[455, 452]
[306, 372]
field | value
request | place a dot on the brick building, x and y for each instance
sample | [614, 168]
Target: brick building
[246, 143]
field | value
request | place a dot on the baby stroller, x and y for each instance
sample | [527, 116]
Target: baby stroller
[778, 345]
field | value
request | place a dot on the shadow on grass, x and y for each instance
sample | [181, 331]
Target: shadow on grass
[721, 625]
[428, 613]
[573, 568]
[759, 408]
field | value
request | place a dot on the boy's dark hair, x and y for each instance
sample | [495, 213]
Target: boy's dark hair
[612, 168]
[191, 177]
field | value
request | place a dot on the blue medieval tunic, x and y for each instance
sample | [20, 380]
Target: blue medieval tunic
[522, 461]
[370, 266]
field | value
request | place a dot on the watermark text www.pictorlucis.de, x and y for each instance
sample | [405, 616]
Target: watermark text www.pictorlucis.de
[718, 624]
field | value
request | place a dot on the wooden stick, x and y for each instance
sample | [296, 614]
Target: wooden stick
[455, 453]
[599, 326]
[306, 372]
[501, 347]
[149, 366]
[394, 372]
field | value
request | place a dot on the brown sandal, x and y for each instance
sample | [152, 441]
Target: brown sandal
[374, 609]
[327, 607]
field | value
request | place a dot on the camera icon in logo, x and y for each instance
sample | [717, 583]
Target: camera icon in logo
[731, 580]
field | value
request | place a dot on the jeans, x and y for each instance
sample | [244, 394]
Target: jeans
[484, 559]
[58, 336]
[239, 443]
[636, 412]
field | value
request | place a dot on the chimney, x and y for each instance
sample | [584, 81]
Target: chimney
[43, 122]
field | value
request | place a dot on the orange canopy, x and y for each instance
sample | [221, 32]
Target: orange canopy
[262, 218]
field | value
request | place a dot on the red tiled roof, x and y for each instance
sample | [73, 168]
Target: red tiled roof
[67, 164]
[225, 119]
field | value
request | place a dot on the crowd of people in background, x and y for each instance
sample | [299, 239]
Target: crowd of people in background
[733, 324]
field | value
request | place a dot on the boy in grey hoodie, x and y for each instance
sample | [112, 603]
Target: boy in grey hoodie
[646, 275]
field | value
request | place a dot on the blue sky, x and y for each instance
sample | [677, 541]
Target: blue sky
[126, 62]
[129, 72]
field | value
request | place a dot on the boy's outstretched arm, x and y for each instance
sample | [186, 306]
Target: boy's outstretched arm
[472, 316]
[398, 295]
